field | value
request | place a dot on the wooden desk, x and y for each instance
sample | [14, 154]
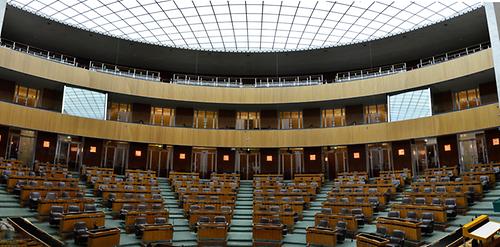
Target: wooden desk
[370, 240]
[337, 207]
[26, 191]
[482, 230]
[118, 204]
[149, 215]
[352, 224]
[438, 211]
[411, 228]
[267, 235]
[104, 237]
[286, 218]
[212, 233]
[321, 237]
[157, 233]
[195, 215]
[460, 198]
[44, 206]
[92, 219]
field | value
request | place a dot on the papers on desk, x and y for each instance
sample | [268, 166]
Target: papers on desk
[487, 230]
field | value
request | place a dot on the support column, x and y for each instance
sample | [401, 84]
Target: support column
[493, 18]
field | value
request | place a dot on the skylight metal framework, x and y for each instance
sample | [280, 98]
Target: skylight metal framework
[246, 26]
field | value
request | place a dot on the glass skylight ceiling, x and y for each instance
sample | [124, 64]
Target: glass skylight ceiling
[84, 103]
[410, 105]
[250, 25]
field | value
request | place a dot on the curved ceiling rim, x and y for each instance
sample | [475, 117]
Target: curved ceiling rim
[64, 74]
[159, 23]
[462, 31]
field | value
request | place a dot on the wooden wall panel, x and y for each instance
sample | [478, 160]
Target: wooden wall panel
[442, 102]
[356, 158]
[269, 167]
[403, 160]
[312, 118]
[184, 117]
[7, 89]
[269, 119]
[136, 161]
[429, 75]
[488, 93]
[354, 115]
[90, 158]
[4, 138]
[448, 158]
[312, 166]
[141, 113]
[227, 119]
[52, 99]
[182, 165]
[228, 165]
[483, 117]
[45, 154]
[492, 150]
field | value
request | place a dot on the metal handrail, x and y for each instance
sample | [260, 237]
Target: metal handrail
[240, 82]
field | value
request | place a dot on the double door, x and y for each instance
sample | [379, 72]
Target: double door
[21, 145]
[69, 152]
[204, 162]
[160, 160]
[379, 159]
[247, 164]
[291, 163]
[116, 156]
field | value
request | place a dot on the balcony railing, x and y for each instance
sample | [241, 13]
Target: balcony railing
[237, 82]
[240, 82]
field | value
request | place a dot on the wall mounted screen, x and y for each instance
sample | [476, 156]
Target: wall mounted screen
[84, 103]
[410, 105]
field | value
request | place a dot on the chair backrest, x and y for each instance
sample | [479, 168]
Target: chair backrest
[73, 209]
[220, 219]
[411, 215]
[142, 207]
[341, 225]
[441, 189]
[323, 224]
[393, 214]
[50, 196]
[344, 211]
[35, 195]
[398, 234]
[140, 221]
[276, 221]
[156, 206]
[436, 201]
[427, 216]
[360, 200]
[194, 207]
[160, 220]
[80, 227]
[420, 201]
[450, 202]
[264, 220]
[57, 209]
[326, 211]
[357, 211]
[406, 200]
[90, 208]
[427, 190]
[203, 219]
[127, 207]
[381, 230]
[210, 207]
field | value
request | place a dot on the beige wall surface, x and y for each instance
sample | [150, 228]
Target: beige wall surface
[43, 68]
[482, 117]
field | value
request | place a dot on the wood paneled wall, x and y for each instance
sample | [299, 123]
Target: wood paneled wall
[448, 157]
[184, 117]
[356, 158]
[182, 165]
[225, 166]
[310, 165]
[91, 158]
[269, 167]
[354, 115]
[45, 154]
[227, 119]
[141, 113]
[312, 118]
[483, 117]
[137, 160]
[401, 160]
[492, 150]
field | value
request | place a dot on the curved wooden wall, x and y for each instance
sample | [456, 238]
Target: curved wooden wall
[39, 67]
[482, 117]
